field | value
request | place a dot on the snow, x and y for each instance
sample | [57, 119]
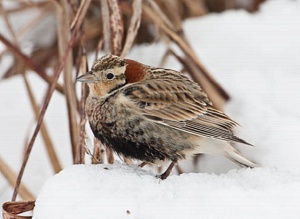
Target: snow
[123, 191]
[255, 57]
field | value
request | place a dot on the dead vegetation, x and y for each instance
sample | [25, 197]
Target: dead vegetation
[90, 26]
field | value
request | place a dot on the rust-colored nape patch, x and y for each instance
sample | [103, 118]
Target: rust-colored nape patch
[135, 71]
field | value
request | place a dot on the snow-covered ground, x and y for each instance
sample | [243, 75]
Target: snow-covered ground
[121, 191]
[256, 58]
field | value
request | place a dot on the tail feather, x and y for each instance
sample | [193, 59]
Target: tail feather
[237, 139]
[218, 147]
[233, 155]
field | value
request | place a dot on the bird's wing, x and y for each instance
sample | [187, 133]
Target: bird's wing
[182, 107]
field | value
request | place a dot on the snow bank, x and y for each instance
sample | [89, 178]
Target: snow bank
[121, 191]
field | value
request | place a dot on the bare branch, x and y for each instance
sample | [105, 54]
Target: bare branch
[47, 140]
[134, 26]
[98, 153]
[84, 93]
[189, 52]
[63, 35]
[116, 27]
[105, 24]
[46, 102]
[30, 64]
[10, 175]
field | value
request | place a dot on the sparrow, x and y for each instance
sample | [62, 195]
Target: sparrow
[155, 115]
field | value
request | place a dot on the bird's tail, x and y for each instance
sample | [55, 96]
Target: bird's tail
[218, 147]
[235, 156]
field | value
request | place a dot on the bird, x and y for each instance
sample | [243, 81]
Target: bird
[155, 115]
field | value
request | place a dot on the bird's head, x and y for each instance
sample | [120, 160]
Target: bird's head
[110, 72]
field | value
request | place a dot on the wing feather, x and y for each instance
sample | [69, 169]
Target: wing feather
[172, 103]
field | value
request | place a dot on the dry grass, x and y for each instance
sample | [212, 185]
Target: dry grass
[108, 25]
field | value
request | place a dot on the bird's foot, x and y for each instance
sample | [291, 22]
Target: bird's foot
[167, 172]
[143, 164]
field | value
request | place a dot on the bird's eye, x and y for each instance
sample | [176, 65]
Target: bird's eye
[110, 76]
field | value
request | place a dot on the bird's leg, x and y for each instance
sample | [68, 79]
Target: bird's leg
[168, 171]
[142, 164]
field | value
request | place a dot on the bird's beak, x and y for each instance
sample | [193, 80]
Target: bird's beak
[87, 77]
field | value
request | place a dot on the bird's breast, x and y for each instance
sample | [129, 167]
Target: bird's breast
[99, 113]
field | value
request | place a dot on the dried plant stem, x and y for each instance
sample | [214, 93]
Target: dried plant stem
[98, 152]
[46, 102]
[9, 174]
[27, 61]
[80, 155]
[110, 156]
[165, 57]
[44, 131]
[27, 6]
[113, 36]
[7, 22]
[159, 13]
[99, 47]
[49, 146]
[105, 24]
[13, 210]
[82, 134]
[79, 11]
[69, 89]
[133, 27]
[195, 8]
[116, 27]
[205, 84]
[44, 11]
[185, 47]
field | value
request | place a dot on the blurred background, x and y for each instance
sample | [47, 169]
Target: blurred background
[244, 54]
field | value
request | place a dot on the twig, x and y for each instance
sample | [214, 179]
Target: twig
[44, 11]
[47, 140]
[195, 8]
[186, 49]
[14, 210]
[98, 152]
[164, 58]
[99, 46]
[49, 146]
[82, 134]
[79, 11]
[46, 103]
[160, 14]
[29, 63]
[63, 35]
[24, 7]
[134, 26]
[110, 156]
[111, 15]
[105, 24]
[116, 27]
[9, 174]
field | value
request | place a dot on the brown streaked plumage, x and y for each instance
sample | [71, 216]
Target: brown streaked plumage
[155, 114]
